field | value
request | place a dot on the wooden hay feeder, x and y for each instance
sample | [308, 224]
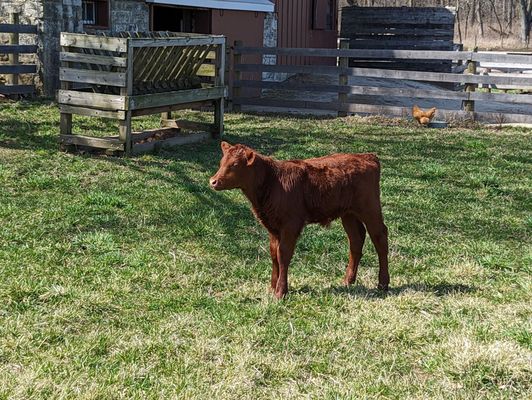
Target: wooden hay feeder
[133, 74]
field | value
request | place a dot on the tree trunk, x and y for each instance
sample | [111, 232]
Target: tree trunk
[526, 11]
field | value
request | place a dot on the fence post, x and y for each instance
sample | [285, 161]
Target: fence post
[228, 76]
[219, 81]
[12, 79]
[343, 62]
[124, 126]
[469, 105]
[237, 59]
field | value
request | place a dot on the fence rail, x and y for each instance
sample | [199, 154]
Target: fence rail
[369, 93]
[13, 50]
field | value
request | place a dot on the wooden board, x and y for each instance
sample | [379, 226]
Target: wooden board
[93, 42]
[18, 49]
[93, 59]
[16, 89]
[17, 28]
[359, 54]
[174, 141]
[388, 74]
[389, 92]
[18, 69]
[92, 112]
[404, 112]
[92, 100]
[89, 141]
[176, 97]
[179, 41]
[96, 77]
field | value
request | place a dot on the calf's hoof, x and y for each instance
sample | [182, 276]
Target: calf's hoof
[280, 294]
[383, 287]
[348, 281]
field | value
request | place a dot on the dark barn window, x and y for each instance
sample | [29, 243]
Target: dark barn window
[95, 13]
[323, 14]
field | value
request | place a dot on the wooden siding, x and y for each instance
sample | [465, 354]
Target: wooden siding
[295, 30]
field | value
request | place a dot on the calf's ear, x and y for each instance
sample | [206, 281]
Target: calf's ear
[225, 146]
[250, 157]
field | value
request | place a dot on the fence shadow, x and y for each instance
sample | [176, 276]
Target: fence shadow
[439, 290]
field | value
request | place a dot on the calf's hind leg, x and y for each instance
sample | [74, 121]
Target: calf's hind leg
[378, 232]
[356, 233]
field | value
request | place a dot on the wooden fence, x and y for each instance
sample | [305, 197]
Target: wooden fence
[14, 68]
[372, 89]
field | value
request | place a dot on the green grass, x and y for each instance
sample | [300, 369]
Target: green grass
[130, 278]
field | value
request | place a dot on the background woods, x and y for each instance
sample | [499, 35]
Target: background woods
[486, 23]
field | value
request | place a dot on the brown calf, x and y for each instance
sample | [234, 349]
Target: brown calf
[287, 195]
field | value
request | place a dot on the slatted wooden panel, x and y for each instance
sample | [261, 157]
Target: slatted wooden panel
[13, 69]
[168, 68]
[155, 68]
[399, 28]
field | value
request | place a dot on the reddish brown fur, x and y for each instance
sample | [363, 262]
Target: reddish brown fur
[287, 195]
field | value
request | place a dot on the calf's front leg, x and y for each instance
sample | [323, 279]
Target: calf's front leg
[274, 246]
[285, 251]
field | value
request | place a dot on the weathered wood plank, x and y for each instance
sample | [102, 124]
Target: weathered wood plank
[360, 90]
[141, 148]
[94, 42]
[359, 54]
[503, 58]
[18, 49]
[400, 44]
[387, 74]
[175, 97]
[206, 70]
[88, 141]
[18, 69]
[178, 41]
[96, 77]
[391, 30]
[93, 59]
[185, 124]
[313, 105]
[382, 110]
[92, 100]
[17, 28]
[169, 108]
[92, 112]
[17, 89]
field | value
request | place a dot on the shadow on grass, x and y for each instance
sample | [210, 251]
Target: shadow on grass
[440, 290]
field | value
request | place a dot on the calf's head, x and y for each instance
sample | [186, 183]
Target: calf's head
[236, 168]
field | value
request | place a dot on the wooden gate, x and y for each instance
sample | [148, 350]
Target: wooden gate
[14, 68]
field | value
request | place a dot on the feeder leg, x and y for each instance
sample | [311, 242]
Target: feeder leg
[125, 133]
[166, 115]
[218, 118]
[65, 124]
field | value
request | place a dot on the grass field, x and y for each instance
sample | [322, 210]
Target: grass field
[130, 278]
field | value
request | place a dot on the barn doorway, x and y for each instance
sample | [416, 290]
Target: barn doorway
[176, 19]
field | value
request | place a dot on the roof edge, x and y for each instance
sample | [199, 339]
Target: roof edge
[218, 4]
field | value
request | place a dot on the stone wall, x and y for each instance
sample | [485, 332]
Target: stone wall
[270, 40]
[130, 15]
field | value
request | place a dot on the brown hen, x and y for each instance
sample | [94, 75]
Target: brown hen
[423, 117]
